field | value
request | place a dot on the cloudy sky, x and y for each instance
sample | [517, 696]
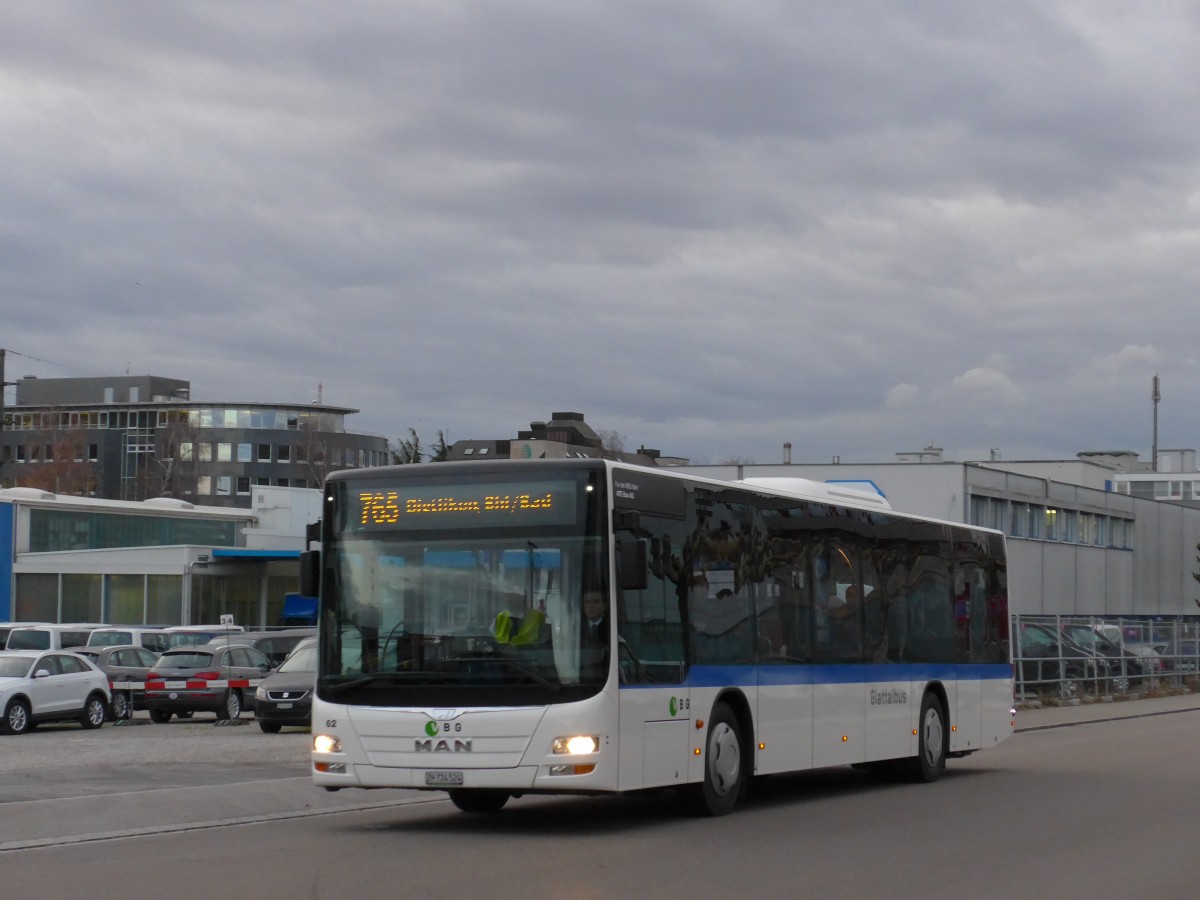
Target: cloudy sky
[712, 227]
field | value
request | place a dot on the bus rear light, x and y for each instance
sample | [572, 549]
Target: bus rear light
[330, 768]
[579, 745]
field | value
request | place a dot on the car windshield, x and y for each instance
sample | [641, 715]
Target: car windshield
[110, 638]
[1084, 636]
[14, 666]
[187, 660]
[303, 659]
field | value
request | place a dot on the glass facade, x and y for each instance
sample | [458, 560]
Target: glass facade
[82, 598]
[126, 599]
[36, 598]
[55, 530]
[164, 599]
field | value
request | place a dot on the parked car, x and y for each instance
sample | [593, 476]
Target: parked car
[1136, 642]
[1182, 655]
[1047, 658]
[6, 627]
[48, 686]
[123, 664]
[192, 635]
[219, 678]
[285, 696]
[50, 637]
[153, 639]
[275, 645]
[1124, 666]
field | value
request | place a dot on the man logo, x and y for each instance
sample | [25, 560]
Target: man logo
[454, 746]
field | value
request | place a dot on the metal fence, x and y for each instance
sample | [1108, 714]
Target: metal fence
[1065, 657]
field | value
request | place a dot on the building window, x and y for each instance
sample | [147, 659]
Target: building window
[243, 485]
[205, 451]
[284, 453]
[186, 451]
[979, 509]
[1070, 526]
[1020, 515]
[281, 482]
[262, 480]
[224, 483]
[1037, 516]
[264, 452]
[243, 453]
[93, 452]
[203, 484]
[1051, 524]
[224, 452]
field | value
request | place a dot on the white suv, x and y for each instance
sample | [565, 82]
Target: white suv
[48, 686]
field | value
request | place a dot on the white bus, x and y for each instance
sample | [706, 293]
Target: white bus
[751, 631]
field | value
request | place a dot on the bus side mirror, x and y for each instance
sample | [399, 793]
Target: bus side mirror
[310, 573]
[632, 565]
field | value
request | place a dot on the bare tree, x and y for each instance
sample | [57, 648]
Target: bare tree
[612, 444]
[59, 460]
[170, 471]
[318, 454]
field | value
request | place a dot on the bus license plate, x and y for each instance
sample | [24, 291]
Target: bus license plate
[443, 778]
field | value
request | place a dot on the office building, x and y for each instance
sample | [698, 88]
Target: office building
[138, 437]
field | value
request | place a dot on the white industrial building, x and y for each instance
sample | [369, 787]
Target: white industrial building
[1080, 540]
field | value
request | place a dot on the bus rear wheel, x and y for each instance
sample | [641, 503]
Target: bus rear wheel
[930, 760]
[479, 801]
[724, 765]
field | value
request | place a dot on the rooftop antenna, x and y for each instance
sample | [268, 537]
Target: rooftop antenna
[320, 392]
[1155, 396]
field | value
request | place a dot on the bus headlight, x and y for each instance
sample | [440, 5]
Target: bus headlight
[579, 745]
[326, 743]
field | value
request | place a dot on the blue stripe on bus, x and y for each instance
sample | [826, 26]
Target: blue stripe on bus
[760, 676]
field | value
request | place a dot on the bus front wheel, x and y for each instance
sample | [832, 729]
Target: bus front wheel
[479, 801]
[930, 760]
[724, 765]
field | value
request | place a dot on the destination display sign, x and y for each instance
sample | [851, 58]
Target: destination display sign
[407, 507]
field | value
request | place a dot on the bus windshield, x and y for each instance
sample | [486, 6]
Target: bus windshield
[448, 608]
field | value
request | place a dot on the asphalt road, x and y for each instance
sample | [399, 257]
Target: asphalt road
[1095, 810]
